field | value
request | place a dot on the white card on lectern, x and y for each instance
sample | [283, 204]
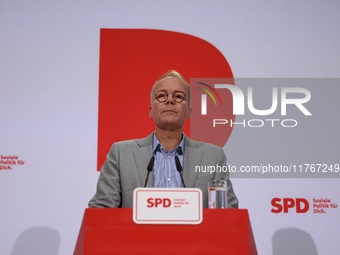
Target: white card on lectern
[167, 206]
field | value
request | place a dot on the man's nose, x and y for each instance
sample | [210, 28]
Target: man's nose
[170, 99]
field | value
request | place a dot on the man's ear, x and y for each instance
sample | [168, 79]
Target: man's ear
[190, 111]
[150, 109]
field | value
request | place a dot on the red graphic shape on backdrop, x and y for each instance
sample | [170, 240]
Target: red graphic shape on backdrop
[130, 62]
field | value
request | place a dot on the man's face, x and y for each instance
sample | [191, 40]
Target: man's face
[170, 115]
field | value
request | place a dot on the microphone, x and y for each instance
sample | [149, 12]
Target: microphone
[179, 169]
[149, 169]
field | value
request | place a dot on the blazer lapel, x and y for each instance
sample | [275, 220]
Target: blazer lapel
[192, 158]
[142, 155]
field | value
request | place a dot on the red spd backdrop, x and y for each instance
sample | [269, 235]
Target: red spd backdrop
[130, 62]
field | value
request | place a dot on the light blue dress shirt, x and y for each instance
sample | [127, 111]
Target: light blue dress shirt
[165, 174]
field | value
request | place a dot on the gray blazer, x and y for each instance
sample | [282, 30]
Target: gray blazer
[125, 169]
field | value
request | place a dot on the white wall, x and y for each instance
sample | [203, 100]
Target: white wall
[49, 54]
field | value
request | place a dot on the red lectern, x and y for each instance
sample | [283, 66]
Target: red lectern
[112, 231]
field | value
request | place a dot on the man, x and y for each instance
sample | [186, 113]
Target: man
[126, 164]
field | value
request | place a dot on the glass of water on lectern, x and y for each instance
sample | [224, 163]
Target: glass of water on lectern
[217, 194]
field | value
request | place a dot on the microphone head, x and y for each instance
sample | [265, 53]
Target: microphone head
[178, 164]
[150, 165]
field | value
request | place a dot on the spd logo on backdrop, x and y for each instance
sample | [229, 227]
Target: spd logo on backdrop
[302, 205]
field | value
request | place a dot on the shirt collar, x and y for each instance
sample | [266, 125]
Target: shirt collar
[157, 146]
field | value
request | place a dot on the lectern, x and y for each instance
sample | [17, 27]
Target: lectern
[112, 231]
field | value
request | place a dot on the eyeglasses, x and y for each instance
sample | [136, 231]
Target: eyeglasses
[178, 96]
